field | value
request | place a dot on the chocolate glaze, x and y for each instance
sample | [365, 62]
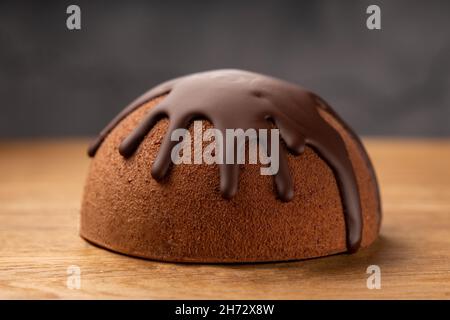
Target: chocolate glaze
[232, 99]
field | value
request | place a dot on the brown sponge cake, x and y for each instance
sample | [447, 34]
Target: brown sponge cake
[183, 217]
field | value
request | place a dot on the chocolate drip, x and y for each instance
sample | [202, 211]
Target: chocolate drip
[233, 99]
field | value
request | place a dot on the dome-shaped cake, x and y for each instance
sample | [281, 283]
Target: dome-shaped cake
[323, 199]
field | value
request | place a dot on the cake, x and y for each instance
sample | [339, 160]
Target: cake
[322, 200]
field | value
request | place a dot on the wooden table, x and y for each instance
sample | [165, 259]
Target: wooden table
[41, 184]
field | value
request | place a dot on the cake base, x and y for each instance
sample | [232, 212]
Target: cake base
[185, 219]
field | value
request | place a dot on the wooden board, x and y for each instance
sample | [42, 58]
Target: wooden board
[41, 185]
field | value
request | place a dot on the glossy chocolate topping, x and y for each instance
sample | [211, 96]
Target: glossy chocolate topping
[232, 99]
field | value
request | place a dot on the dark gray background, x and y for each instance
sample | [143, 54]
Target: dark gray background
[55, 82]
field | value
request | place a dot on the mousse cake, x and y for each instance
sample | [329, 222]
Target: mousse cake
[323, 200]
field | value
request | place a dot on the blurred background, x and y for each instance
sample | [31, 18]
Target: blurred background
[56, 82]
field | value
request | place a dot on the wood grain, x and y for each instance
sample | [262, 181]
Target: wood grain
[41, 185]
